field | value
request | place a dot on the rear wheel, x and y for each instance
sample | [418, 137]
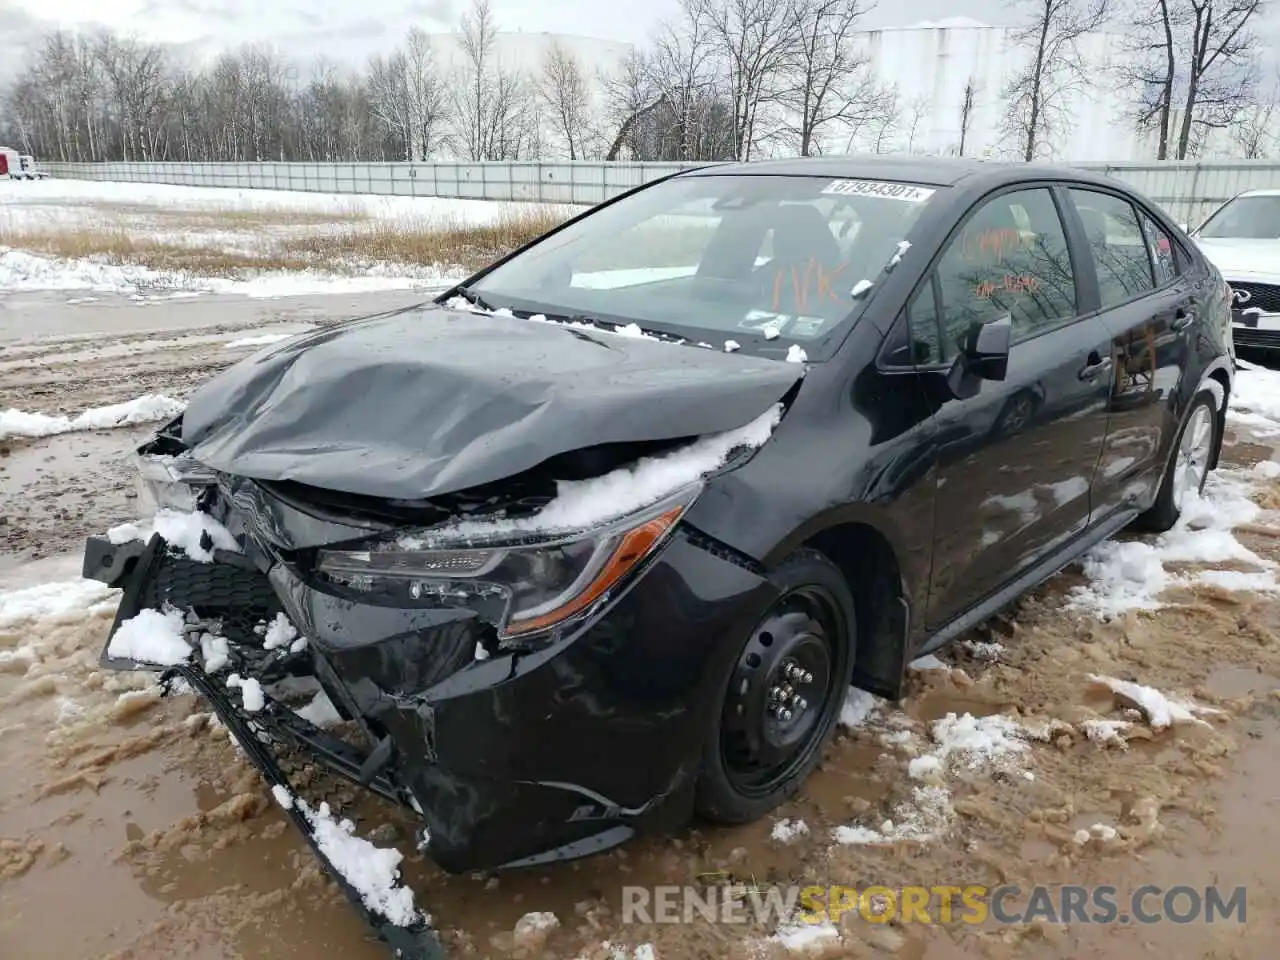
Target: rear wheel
[779, 706]
[1188, 467]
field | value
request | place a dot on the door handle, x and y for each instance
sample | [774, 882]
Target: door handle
[1097, 365]
[1182, 318]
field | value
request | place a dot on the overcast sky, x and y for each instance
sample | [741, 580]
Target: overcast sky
[351, 31]
[347, 31]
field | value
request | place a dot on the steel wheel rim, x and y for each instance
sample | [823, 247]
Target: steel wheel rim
[1191, 463]
[780, 694]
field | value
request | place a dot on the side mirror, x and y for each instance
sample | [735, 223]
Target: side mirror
[986, 350]
[985, 357]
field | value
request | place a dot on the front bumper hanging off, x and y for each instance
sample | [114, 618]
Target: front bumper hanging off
[148, 574]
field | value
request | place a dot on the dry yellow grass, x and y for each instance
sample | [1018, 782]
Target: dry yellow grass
[340, 243]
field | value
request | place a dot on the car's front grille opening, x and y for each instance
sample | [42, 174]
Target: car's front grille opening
[1262, 296]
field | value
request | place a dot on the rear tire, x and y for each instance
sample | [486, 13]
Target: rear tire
[1188, 466]
[778, 708]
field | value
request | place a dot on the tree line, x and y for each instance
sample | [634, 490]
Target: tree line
[724, 79]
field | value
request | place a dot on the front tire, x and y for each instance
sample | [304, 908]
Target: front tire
[1188, 467]
[778, 708]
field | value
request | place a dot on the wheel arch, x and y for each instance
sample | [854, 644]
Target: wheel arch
[868, 553]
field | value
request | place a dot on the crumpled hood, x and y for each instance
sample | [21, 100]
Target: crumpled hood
[1243, 259]
[431, 401]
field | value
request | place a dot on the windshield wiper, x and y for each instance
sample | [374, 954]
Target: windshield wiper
[473, 298]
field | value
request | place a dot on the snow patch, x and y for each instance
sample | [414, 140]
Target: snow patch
[925, 817]
[152, 637]
[1132, 575]
[51, 600]
[250, 692]
[1105, 732]
[859, 707]
[861, 287]
[374, 872]
[789, 831]
[258, 341]
[926, 663]
[807, 938]
[583, 504]
[215, 652]
[1160, 710]
[731, 345]
[989, 651]
[145, 409]
[182, 531]
[280, 633]
[796, 354]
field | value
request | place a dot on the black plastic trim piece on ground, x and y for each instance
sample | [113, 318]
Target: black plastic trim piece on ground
[418, 942]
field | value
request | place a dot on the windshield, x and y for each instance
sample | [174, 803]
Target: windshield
[718, 258]
[1245, 218]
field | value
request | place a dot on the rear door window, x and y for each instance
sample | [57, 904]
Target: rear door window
[1164, 255]
[1117, 244]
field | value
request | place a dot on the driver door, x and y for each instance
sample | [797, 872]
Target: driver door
[1015, 459]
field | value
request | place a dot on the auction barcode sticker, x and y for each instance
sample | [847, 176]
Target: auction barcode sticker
[907, 192]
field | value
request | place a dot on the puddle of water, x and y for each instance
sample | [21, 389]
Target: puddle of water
[1229, 681]
[936, 704]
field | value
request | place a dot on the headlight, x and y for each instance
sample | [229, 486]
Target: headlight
[523, 585]
[173, 483]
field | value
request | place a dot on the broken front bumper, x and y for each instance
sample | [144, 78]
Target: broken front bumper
[152, 577]
[519, 759]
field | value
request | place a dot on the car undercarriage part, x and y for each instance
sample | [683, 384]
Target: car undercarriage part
[150, 574]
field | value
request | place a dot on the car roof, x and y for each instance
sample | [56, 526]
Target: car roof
[1267, 192]
[932, 171]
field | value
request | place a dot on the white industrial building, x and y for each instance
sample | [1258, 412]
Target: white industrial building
[931, 64]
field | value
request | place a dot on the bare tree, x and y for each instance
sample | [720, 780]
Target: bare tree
[493, 111]
[563, 89]
[885, 129]
[966, 114]
[1037, 93]
[631, 101]
[757, 43]
[917, 110]
[698, 124]
[1254, 133]
[1192, 62]
[830, 84]
[425, 93]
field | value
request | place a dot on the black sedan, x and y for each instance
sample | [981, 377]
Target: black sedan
[601, 538]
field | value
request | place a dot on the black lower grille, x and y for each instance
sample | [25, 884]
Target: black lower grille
[239, 596]
[1264, 296]
[1247, 337]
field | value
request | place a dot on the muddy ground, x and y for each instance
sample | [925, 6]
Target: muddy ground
[131, 828]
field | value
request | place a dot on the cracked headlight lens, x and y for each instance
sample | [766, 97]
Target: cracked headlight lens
[519, 580]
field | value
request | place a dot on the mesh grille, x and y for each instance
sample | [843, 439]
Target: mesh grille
[1261, 295]
[240, 597]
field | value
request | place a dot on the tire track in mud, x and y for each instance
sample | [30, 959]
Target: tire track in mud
[137, 815]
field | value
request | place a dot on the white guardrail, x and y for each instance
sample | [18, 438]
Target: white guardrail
[1188, 190]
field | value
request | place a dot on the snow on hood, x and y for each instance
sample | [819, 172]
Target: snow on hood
[427, 401]
[1243, 259]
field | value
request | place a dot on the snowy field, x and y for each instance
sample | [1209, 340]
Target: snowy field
[1120, 726]
[154, 241]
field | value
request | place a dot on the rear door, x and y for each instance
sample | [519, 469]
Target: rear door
[1150, 306]
[1014, 462]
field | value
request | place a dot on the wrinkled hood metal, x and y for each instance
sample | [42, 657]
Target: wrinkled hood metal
[433, 401]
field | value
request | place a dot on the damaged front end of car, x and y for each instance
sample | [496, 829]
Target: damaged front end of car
[532, 691]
